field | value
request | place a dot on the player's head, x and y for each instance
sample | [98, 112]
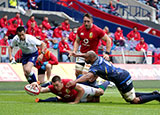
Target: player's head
[135, 28]
[5, 16]
[17, 14]
[66, 21]
[87, 21]
[57, 83]
[21, 32]
[90, 57]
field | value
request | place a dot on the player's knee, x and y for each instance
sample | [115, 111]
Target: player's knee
[27, 71]
[99, 92]
[78, 72]
[135, 101]
[48, 66]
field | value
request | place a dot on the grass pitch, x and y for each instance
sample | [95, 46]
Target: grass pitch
[15, 101]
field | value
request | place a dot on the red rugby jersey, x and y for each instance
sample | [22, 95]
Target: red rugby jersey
[67, 94]
[90, 38]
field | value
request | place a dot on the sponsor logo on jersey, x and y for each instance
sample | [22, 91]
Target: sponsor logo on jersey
[68, 91]
[91, 35]
[82, 33]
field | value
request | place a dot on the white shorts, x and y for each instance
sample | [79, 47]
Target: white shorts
[80, 67]
[129, 96]
[88, 91]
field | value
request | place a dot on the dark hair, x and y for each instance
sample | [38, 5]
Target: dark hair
[17, 13]
[32, 16]
[66, 19]
[87, 15]
[56, 78]
[5, 15]
[135, 27]
[20, 29]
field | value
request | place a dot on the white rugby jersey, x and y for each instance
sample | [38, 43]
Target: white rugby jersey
[29, 45]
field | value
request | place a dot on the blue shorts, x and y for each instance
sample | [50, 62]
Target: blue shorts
[29, 58]
[125, 83]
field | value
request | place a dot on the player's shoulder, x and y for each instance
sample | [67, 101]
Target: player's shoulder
[96, 27]
[82, 27]
[65, 81]
[30, 37]
[16, 38]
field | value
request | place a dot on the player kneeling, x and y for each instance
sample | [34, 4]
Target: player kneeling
[73, 95]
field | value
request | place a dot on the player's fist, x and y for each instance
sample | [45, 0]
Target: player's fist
[106, 57]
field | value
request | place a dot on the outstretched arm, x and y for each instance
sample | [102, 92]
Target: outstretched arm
[42, 89]
[84, 78]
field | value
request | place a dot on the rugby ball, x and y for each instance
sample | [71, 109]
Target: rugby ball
[31, 91]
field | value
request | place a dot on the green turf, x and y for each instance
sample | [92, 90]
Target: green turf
[18, 102]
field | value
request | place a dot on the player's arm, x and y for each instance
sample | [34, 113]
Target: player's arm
[84, 78]
[42, 89]
[80, 91]
[42, 46]
[10, 53]
[76, 44]
[75, 47]
[108, 46]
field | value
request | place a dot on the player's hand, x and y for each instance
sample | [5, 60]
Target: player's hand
[74, 54]
[73, 102]
[10, 59]
[70, 83]
[34, 84]
[70, 53]
[106, 57]
[40, 57]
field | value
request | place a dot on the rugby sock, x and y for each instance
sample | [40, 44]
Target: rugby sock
[140, 94]
[51, 99]
[29, 80]
[104, 85]
[46, 84]
[33, 77]
[147, 98]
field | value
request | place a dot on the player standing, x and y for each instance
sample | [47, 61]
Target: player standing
[88, 36]
[28, 44]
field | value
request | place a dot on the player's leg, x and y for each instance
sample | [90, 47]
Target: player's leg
[28, 61]
[86, 69]
[41, 76]
[79, 68]
[48, 70]
[140, 94]
[104, 85]
[147, 97]
[51, 99]
[131, 97]
[27, 68]
[90, 93]
[80, 63]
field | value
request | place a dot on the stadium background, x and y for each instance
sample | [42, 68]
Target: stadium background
[146, 76]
